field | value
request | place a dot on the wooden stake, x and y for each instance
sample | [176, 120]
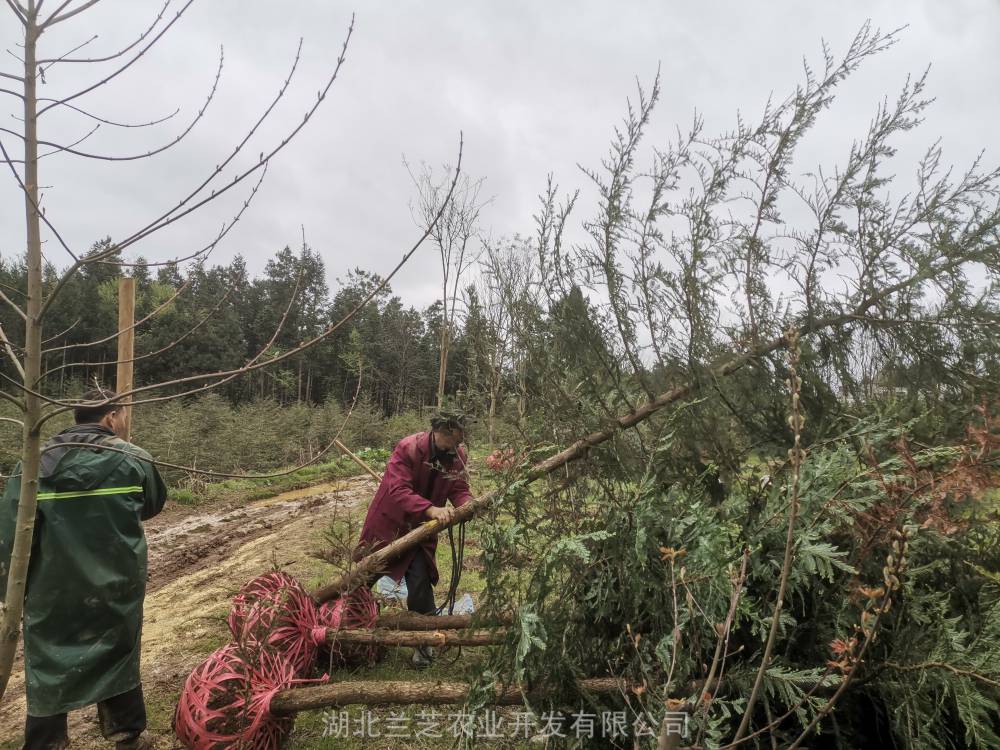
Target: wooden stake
[357, 459]
[378, 693]
[438, 638]
[126, 345]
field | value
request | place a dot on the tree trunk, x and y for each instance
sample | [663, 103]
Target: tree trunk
[493, 415]
[443, 363]
[378, 693]
[437, 638]
[522, 403]
[414, 621]
[31, 447]
[126, 346]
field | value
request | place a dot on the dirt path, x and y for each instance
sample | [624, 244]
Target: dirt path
[198, 559]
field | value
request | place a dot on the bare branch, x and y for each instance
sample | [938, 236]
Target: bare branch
[204, 252]
[201, 255]
[12, 77]
[43, 67]
[105, 121]
[267, 346]
[60, 149]
[110, 77]
[18, 11]
[10, 302]
[62, 333]
[7, 397]
[56, 18]
[116, 55]
[133, 157]
[57, 149]
[38, 209]
[13, 289]
[171, 216]
[10, 352]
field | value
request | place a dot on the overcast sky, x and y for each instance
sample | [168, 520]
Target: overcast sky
[536, 87]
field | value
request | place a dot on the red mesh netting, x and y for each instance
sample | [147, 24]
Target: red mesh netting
[277, 630]
[225, 702]
[273, 611]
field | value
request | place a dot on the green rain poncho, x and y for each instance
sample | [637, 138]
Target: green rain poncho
[87, 575]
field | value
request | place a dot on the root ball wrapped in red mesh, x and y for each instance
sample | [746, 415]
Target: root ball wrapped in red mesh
[274, 613]
[225, 700]
[355, 611]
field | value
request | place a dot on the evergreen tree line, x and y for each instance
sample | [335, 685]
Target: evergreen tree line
[219, 317]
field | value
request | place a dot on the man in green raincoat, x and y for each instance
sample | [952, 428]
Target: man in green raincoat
[86, 578]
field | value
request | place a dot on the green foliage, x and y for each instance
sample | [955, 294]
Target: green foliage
[608, 599]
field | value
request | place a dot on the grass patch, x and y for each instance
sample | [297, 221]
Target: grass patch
[247, 490]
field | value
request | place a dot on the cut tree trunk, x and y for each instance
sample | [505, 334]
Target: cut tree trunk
[378, 693]
[439, 638]
[416, 621]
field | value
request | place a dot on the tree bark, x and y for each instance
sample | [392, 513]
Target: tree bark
[126, 346]
[31, 445]
[358, 460]
[416, 621]
[439, 638]
[378, 693]
[443, 362]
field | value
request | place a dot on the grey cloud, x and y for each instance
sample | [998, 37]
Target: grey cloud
[536, 88]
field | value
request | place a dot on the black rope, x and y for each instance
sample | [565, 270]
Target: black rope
[457, 562]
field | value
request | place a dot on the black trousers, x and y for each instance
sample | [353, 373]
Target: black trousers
[420, 592]
[122, 718]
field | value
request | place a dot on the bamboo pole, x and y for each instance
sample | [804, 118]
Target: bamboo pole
[395, 693]
[415, 621]
[439, 638]
[126, 346]
[357, 459]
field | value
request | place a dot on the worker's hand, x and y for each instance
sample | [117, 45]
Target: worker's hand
[441, 515]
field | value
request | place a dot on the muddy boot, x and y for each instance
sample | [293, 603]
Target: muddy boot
[45, 733]
[423, 657]
[122, 719]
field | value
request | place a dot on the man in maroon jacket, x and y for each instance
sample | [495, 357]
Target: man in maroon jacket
[424, 472]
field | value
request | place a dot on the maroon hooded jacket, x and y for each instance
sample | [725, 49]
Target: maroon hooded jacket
[409, 487]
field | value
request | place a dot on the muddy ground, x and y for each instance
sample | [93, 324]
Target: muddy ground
[198, 560]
